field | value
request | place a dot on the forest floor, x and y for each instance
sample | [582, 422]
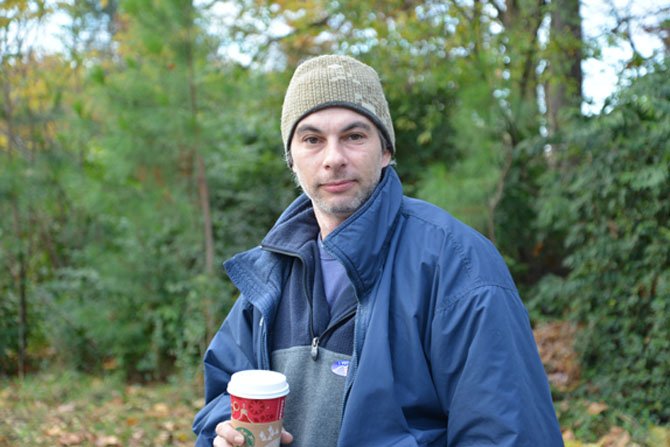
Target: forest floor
[72, 409]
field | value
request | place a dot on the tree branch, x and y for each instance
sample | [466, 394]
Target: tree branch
[498, 195]
[462, 11]
[529, 65]
[498, 9]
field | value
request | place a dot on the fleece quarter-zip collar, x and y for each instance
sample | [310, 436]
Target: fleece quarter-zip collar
[362, 259]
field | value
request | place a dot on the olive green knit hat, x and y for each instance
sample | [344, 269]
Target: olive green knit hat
[335, 81]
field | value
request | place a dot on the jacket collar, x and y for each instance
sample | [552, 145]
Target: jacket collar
[360, 242]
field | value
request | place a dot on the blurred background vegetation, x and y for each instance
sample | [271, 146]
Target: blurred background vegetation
[145, 150]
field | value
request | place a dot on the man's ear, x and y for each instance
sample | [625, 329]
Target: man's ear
[289, 160]
[387, 156]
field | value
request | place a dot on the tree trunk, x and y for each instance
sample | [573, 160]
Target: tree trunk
[521, 21]
[201, 177]
[23, 315]
[21, 279]
[9, 109]
[203, 193]
[564, 87]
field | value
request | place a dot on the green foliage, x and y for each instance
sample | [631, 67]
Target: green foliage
[423, 106]
[104, 219]
[609, 203]
[108, 216]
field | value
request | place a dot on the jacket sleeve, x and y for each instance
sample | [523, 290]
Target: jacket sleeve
[488, 373]
[230, 350]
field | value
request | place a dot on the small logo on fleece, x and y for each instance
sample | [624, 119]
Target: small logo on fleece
[340, 367]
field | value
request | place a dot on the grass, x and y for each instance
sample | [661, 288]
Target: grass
[72, 409]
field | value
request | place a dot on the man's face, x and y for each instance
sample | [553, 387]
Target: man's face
[337, 159]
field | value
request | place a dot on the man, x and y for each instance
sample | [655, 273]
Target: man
[395, 324]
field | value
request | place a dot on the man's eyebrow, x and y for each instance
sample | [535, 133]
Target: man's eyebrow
[356, 124]
[304, 128]
[307, 128]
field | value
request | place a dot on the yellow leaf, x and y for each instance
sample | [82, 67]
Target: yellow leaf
[575, 443]
[132, 421]
[659, 436]
[71, 439]
[568, 435]
[425, 137]
[596, 408]
[108, 441]
[616, 437]
[110, 364]
[66, 408]
[54, 431]
[160, 410]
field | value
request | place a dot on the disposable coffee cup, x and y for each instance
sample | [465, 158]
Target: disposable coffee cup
[257, 399]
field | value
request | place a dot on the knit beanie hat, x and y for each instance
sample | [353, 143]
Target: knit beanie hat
[335, 81]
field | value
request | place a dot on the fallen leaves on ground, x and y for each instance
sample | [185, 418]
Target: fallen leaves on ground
[555, 342]
[65, 410]
[97, 413]
[616, 437]
[595, 408]
[659, 436]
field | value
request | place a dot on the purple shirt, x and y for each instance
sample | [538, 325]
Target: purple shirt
[335, 280]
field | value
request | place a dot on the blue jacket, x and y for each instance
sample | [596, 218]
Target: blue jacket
[443, 350]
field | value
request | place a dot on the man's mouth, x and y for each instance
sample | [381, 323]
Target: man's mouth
[337, 186]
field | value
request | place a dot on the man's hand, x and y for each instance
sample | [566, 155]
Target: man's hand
[227, 436]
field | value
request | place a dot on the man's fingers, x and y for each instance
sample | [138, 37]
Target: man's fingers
[286, 437]
[221, 427]
[228, 435]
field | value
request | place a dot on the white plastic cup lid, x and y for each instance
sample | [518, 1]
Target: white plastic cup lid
[258, 384]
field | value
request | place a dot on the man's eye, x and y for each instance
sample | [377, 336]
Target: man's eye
[311, 140]
[356, 137]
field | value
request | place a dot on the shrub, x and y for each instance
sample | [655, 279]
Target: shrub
[610, 201]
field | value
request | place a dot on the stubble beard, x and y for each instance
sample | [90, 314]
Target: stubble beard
[343, 207]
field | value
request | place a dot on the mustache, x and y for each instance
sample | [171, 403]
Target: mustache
[332, 180]
[335, 177]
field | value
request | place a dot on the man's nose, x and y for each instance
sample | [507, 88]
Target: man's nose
[334, 156]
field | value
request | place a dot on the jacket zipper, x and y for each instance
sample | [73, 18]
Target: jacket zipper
[316, 339]
[265, 362]
[308, 297]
